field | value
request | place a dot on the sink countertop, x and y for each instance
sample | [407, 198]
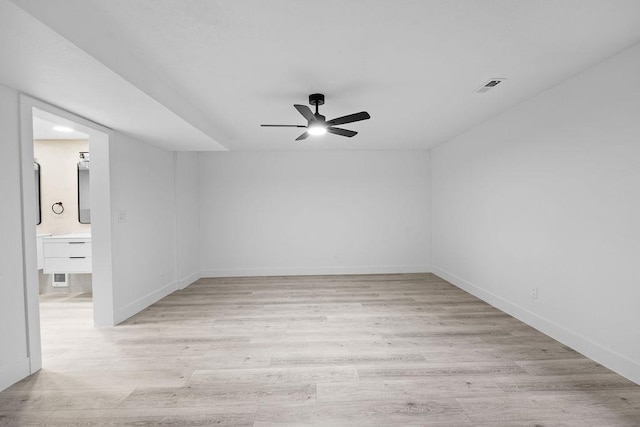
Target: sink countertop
[71, 236]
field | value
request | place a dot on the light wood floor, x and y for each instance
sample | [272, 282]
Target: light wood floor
[390, 350]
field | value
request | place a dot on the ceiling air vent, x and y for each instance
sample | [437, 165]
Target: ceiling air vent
[489, 85]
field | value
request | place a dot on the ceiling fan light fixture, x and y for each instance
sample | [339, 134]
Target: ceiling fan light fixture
[317, 129]
[317, 123]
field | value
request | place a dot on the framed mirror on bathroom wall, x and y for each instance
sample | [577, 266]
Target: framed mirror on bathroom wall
[84, 209]
[36, 171]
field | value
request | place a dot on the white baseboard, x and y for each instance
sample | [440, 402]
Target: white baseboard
[13, 372]
[616, 362]
[141, 303]
[186, 281]
[316, 271]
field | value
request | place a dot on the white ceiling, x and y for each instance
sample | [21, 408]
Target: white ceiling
[39, 62]
[44, 129]
[226, 66]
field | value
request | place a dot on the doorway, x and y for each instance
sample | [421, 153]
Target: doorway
[79, 242]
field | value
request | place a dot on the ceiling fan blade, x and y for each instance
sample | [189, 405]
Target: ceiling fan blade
[363, 115]
[283, 126]
[305, 111]
[342, 132]
[303, 136]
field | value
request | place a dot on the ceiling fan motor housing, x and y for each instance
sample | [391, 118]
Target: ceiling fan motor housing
[316, 99]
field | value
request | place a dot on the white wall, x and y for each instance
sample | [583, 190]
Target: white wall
[188, 217]
[58, 161]
[144, 181]
[547, 196]
[14, 362]
[144, 246]
[273, 213]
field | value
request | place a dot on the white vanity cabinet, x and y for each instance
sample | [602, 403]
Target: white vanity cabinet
[68, 253]
[40, 249]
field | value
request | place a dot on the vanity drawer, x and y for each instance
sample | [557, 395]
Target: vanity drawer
[67, 249]
[67, 265]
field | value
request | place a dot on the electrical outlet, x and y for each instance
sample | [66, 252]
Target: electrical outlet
[534, 293]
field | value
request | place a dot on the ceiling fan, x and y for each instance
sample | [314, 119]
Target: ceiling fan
[316, 123]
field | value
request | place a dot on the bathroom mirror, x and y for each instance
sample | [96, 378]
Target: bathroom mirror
[36, 170]
[84, 211]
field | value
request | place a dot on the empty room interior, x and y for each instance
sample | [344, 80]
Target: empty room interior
[320, 213]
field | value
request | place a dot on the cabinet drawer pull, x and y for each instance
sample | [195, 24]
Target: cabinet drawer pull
[76, 243]
[77, 257]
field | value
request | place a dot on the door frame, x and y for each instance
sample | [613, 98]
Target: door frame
[101, 146]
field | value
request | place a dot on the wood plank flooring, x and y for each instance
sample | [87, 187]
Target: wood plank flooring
[392, 350]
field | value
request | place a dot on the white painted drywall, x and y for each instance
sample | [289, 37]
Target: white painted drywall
[273, 213]
[547, 196]
[144, 247]
[14, 362]
[187, 217]
[143, 264]
[58, 159]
